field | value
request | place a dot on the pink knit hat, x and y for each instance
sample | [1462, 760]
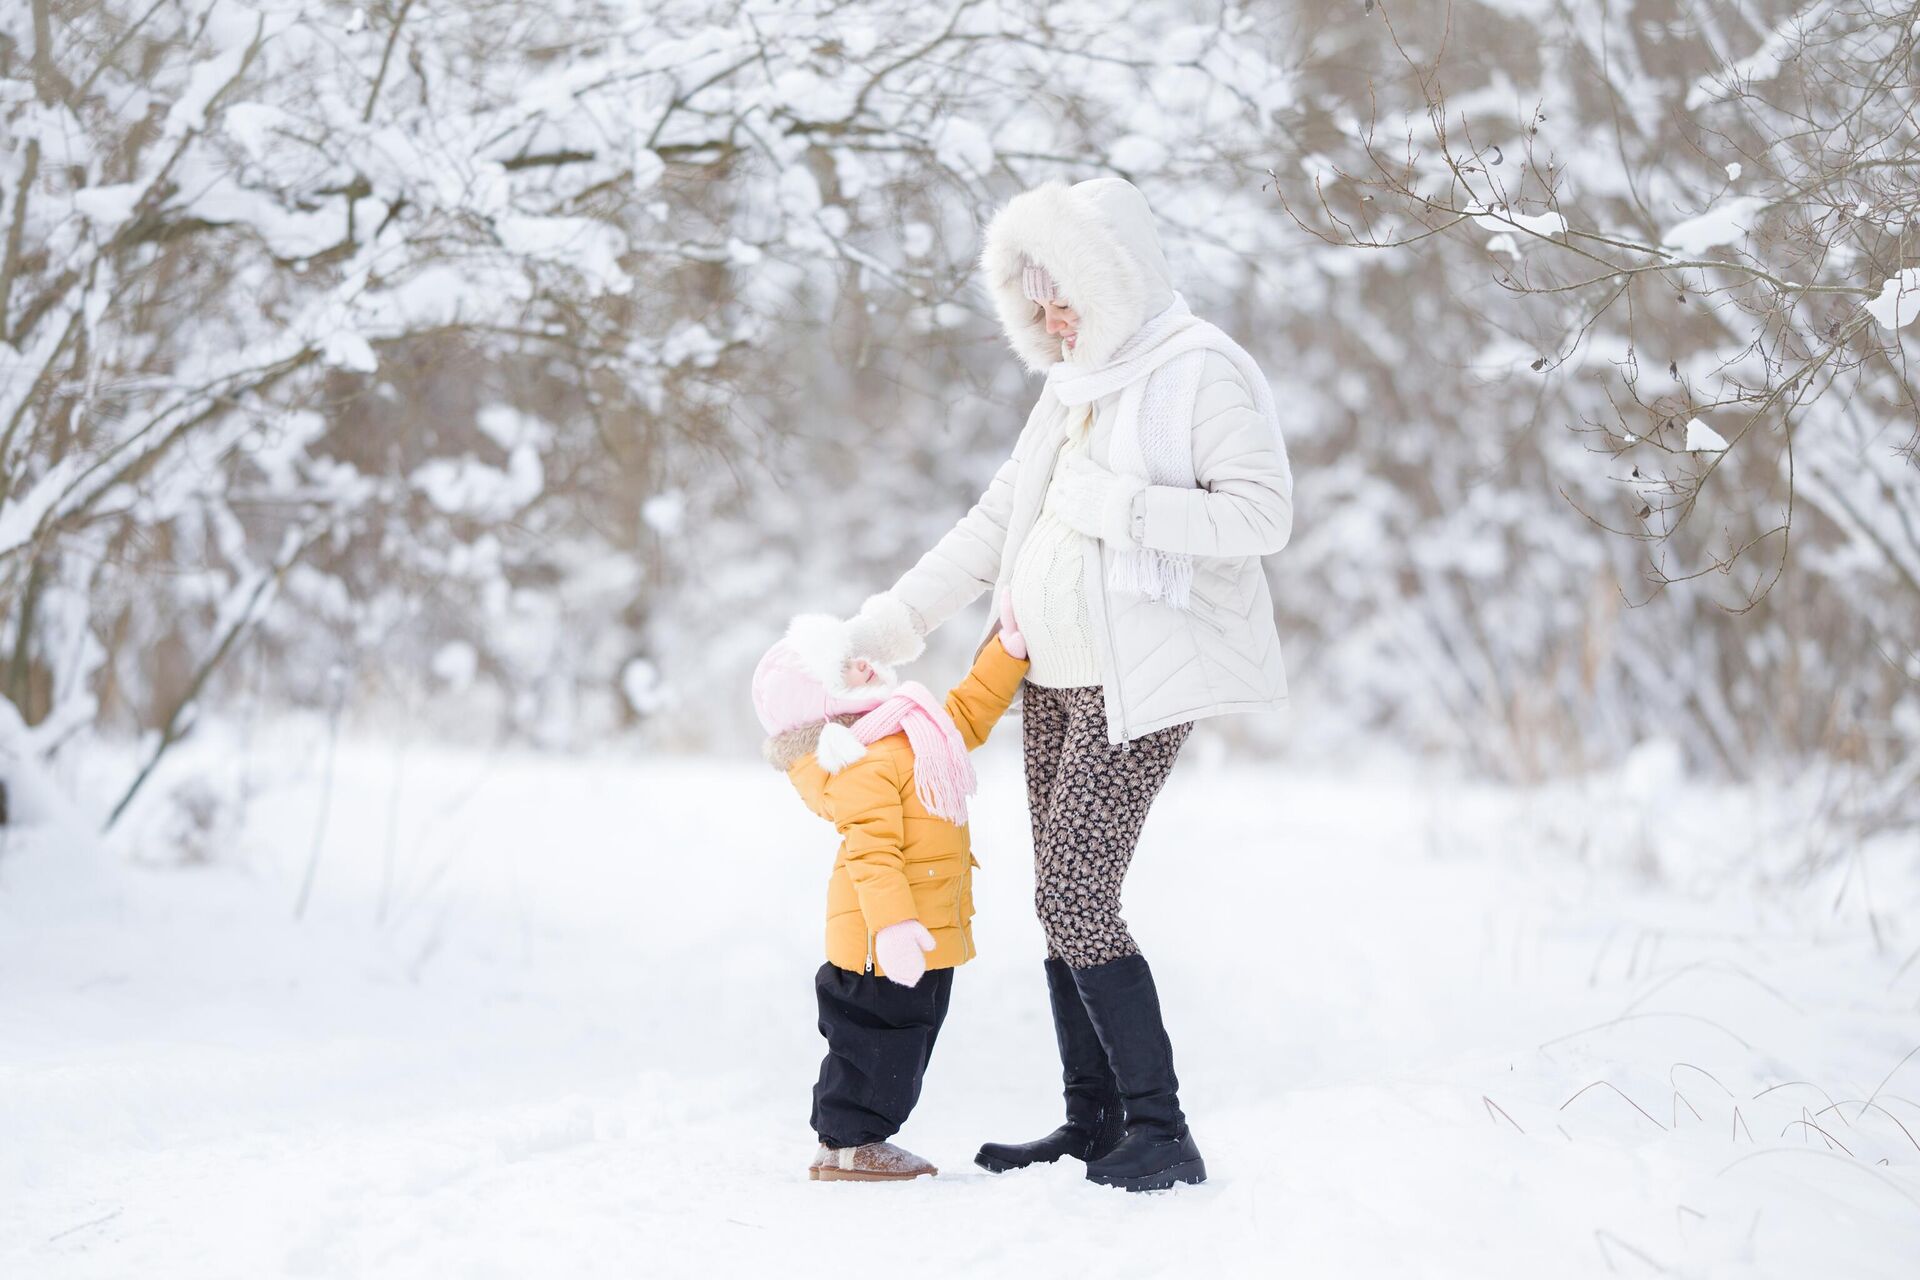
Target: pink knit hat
[1037, 283]
[801, 681]
[788, 692]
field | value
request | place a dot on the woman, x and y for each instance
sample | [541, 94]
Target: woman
[1127, 528]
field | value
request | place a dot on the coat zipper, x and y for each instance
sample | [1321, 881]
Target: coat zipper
[869, 953]
[1113, 655]
[1112, 672]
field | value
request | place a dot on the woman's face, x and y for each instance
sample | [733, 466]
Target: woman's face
[1063, 322]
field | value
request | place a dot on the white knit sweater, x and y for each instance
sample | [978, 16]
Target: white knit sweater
[1050, 592]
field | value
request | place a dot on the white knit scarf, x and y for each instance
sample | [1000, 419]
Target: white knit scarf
[1157, 372]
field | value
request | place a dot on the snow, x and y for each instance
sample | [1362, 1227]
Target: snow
[963, 146]
[691, 343]
[1138, 153]
[108, 206]
[189, 111]
[345, 349]
[1541, 224]
[798, 193]
[21, 514]
[1898, 303]
[588, 246]
[257, 126]
[181, 1065]
[1724, 223]
[666, 512]
[1763, 64]
[1500, 219]
[648, 168]
[509, 428]
[33, 797]
[456, 662]
[466, 486]
[640, 682]
[1423, 1028]
[1702, 438]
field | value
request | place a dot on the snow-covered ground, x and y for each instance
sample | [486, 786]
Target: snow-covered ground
[552, 1016]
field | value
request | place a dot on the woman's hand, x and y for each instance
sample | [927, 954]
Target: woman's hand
[899, 948]
[1011, 638]
[1092, 500]
[884, 632]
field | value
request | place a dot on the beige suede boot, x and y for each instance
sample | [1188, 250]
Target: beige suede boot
[874, 1162]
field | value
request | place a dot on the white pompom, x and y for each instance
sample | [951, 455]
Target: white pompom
[823, 644]
[838, 748]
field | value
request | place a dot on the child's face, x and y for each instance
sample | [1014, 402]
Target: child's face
[859, 674]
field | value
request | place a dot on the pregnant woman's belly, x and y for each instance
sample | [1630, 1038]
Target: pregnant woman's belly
[1050, 602]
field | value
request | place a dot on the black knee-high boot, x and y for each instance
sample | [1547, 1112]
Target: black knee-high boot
[1095, 1121]
[1124, 1007]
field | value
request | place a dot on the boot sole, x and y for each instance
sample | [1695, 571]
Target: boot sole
[861, 1175]
[1186, 1173]
[994, 1164]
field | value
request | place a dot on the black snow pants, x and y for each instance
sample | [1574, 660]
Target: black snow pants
[879, 1039]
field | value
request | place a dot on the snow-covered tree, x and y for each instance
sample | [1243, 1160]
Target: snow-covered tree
[399, 345]
[531, 363]
[1686, 233]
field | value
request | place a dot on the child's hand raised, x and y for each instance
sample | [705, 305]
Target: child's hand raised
[898, 947]
[1010, 637]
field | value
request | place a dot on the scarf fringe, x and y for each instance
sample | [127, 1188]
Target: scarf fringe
[943, 775]
[1162, 576]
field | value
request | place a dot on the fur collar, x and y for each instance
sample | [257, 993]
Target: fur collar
[784, 750]
[1097, 240]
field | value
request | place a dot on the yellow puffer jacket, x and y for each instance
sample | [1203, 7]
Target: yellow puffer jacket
[897, 861]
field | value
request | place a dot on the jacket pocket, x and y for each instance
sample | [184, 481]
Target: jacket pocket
[1226, 586]
[938, 885]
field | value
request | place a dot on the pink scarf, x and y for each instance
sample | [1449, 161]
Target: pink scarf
[943, 772]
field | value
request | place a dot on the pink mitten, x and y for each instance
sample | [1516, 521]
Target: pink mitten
[1010, 637]
[898, 947]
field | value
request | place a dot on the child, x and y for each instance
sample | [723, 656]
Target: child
[888, 766]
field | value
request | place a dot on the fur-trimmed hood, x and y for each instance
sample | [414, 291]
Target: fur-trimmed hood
[1098, 241]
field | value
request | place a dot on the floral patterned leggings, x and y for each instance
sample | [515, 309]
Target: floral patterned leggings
[1089, 800]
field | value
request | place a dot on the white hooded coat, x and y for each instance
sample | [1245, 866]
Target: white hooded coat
[1161, 665]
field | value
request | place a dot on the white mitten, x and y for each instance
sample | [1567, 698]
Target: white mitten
[885, 631]
[898, 948]
[1092, 500]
